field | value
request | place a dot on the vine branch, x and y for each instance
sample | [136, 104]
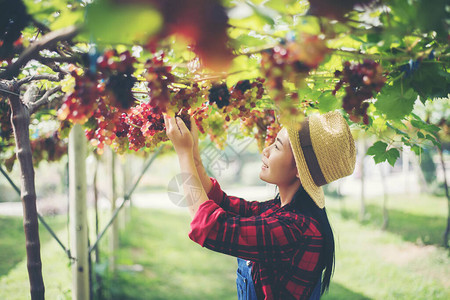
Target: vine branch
[34, 106]
[48, 77]
[47, 41]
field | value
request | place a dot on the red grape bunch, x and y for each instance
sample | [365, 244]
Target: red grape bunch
[262, 125]
[82, 102]
[159, 78]
[291, 61]
[361, 82]
[244, 95]
[238, 102]
[142, 126]
[117, 71]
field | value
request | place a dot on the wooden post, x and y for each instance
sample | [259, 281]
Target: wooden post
[78, 214]
[114, 234]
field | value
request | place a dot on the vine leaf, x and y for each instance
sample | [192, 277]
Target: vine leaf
[430, 80]
[380, 154]
[395, 104]
[112, 23]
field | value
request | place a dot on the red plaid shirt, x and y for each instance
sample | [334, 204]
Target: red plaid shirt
[284, 245]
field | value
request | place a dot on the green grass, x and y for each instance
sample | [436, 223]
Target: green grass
[174, 266]
[14, 283]
[403, 262]
[12, 240]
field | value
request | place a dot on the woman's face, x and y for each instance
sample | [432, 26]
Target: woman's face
[278, 162]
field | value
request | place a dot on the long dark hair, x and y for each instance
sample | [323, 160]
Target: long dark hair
[304, 203]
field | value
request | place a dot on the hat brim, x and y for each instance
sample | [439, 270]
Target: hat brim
[314, 191]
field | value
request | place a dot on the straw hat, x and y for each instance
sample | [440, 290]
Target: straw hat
[324, 151]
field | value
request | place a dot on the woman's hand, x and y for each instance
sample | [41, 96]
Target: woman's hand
[179, 134]
[194, 132]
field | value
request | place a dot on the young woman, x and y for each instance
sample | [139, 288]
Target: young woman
[285, 246]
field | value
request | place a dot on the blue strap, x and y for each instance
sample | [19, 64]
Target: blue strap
[316, 292]
[244, 280]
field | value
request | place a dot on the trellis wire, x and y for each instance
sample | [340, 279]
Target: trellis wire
[41, 219]
[126, 197]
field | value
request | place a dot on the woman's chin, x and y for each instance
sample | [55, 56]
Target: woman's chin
[263, 177]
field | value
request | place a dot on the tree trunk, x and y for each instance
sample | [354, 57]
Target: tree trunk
[20, 119]
[78, 214]
[447, 230]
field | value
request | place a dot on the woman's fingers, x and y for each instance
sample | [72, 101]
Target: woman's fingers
[180, 123]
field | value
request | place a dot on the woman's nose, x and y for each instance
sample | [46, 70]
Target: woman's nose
[265, 152]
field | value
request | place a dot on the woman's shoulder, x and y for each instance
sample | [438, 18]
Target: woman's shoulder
[307, 225]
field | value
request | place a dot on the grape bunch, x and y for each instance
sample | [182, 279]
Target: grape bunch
[80, 105]
[244, 95]
[13, 19]
[219, 94]
[184, 115]
[200, 115]
[291, 61]
[5, 121]
[159, 78]
[102, 126]
[262, 125]
[361, 82]
[48, 148]
[117, 71]
[142, 126]
[185, 97]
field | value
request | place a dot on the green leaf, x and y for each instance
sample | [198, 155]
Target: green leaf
[121, 24]
[431, 80]
[379, 153]
[377, 148]
[264, 13]
[416, 149]
[398, 131]
[395, 104]
[328, 102]
[433, 140]
[392, 155]
[246, 40]
[420, 135]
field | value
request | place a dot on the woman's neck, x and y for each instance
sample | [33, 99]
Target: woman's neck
[287, 192]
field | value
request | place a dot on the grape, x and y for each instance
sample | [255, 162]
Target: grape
[291, 61]
[184, 115]
[219, 94]
[361, 82]
[262, 125]
[159, 78]
[5, 121]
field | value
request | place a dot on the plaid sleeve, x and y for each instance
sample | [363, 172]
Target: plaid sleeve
[260, 239]
[233, 204]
